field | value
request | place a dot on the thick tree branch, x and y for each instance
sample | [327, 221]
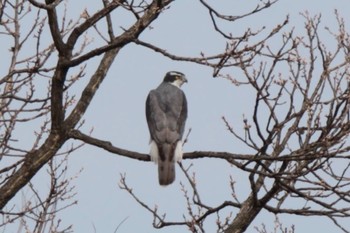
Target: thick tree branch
[32, 163]
[128, 36]
[76, 134]
[78, 31]
[91, 88]
[301, 155]
[56, 32]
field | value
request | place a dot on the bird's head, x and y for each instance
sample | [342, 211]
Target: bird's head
[175, 78]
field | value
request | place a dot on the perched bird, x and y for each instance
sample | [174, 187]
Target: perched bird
[166, 113]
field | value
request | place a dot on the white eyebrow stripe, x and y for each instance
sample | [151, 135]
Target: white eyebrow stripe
[176, 73]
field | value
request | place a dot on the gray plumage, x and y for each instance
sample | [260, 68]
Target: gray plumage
[166, 113]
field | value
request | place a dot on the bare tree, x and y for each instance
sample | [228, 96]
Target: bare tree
[296, 135]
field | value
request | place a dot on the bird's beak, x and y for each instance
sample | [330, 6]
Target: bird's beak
[185, 80]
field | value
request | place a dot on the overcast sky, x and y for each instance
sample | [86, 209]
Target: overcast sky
[117, 115]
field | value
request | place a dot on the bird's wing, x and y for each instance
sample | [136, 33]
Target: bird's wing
[183, 115]
[173, 103]
[156, 118]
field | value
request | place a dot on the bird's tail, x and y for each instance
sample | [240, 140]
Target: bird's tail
[166, 164]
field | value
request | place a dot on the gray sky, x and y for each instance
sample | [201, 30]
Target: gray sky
[117, 115]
